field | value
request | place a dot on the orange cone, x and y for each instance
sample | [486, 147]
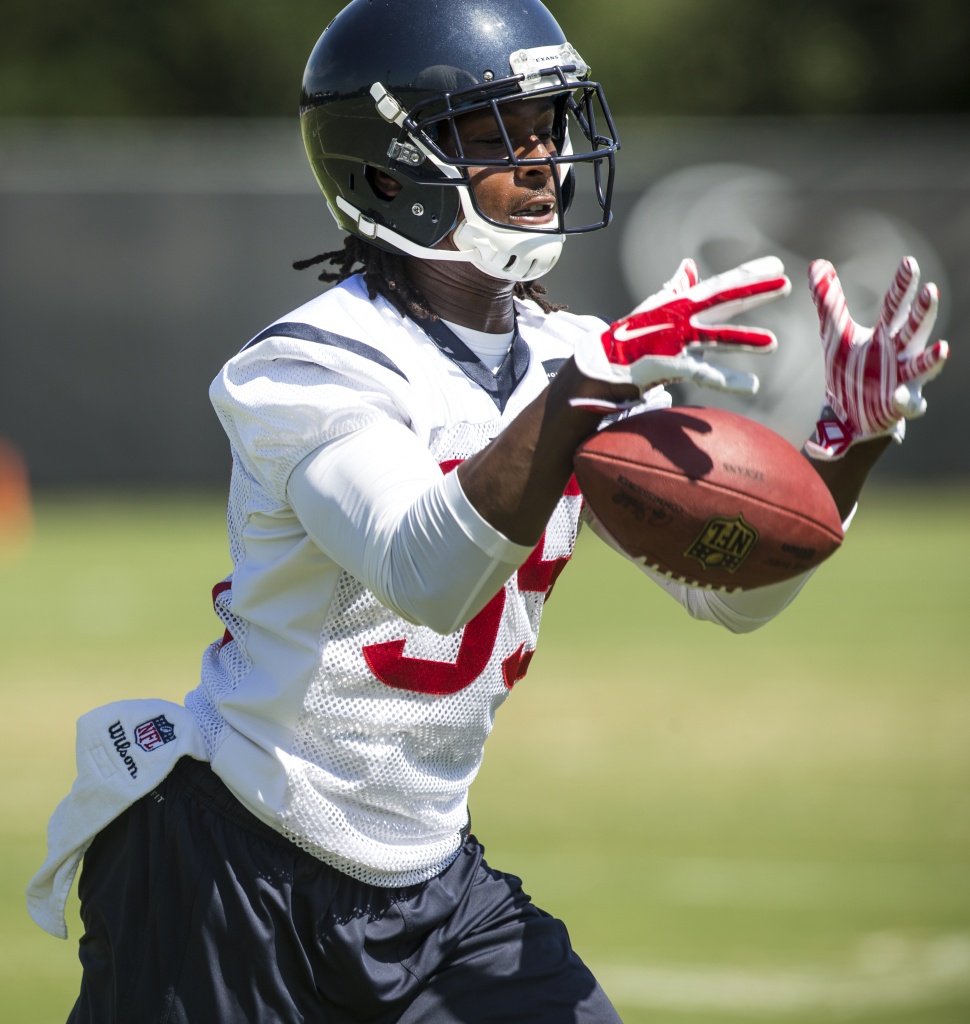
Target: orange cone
[16, 513]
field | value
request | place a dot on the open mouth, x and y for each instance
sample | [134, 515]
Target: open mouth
[539, 211]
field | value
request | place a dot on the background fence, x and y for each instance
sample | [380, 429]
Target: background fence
[136, 256]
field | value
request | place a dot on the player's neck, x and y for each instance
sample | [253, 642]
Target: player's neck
[462, 294]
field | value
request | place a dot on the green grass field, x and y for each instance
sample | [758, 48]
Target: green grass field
[769, 828]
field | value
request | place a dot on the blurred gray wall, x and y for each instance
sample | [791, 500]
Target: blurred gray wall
[135, 257]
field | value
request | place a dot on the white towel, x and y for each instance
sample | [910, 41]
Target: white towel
[124, 750]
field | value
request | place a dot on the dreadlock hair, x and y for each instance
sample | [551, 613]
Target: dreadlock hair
[385, 274]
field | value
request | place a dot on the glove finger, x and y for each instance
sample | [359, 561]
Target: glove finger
[654, 370]
[767, 268]
[685, 277]
[924, 366]
[915, 333]
[720, 378]
[742, 339]
[899, 298]
[729, 304]
[752, 284]
[829, 298]
[908, 401]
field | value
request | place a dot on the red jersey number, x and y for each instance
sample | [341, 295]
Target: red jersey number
[390, 664]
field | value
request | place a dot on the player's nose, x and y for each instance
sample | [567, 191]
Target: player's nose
[537, 149]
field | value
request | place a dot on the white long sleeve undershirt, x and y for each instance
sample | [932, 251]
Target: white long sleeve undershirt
[376, 503]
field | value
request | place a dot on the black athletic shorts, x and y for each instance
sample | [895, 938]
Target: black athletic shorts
[196, 912]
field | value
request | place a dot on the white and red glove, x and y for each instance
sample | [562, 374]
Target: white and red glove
[873, 376]
[664, 339]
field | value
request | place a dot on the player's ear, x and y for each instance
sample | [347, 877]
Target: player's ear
[384, 186]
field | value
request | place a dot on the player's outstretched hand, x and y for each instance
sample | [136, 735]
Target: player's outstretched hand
[665, 338]
[874, 376]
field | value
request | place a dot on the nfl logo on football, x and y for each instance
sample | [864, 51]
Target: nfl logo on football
[725, 541]
[154, 733]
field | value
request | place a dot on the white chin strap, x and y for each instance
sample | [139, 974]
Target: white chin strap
[499, 252]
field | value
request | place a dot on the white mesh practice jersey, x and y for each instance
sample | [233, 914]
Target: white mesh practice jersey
[374, 622]
[348, 726]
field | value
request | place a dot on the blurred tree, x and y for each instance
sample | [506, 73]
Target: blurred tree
[781, 57]
[171, 58]
[245, 57]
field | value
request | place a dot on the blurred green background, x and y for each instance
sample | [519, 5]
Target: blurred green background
[772, 828]
[237, 57]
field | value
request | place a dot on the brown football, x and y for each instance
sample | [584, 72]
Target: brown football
[708, 497]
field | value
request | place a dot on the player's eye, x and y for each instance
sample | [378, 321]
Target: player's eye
[491, 139]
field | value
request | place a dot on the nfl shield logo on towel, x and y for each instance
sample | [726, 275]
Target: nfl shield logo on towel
[154, 733]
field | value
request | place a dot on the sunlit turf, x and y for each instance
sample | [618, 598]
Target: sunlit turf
[765, 828]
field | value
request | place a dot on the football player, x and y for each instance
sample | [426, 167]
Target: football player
[401, 505]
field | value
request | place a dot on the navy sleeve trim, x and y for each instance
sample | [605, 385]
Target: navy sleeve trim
[307, 332]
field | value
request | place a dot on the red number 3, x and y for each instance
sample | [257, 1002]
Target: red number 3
[389, 663]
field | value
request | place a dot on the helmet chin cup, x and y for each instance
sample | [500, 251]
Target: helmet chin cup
[510, 255]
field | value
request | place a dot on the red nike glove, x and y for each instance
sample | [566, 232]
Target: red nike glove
[873, 376]
[664, 338]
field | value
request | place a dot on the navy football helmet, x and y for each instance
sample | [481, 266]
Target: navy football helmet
[382, 89]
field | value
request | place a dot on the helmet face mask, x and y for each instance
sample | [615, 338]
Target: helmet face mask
[389, 87]
[580, 110]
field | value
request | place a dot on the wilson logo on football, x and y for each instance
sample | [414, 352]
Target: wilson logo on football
[725, 542]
